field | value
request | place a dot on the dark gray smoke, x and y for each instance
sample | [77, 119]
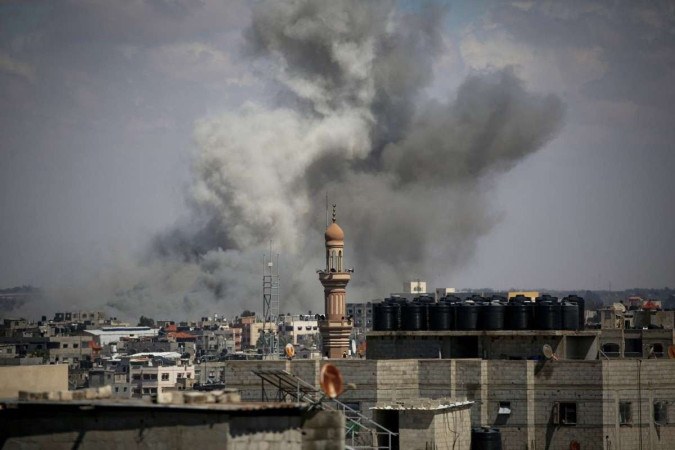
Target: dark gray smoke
[410, 176]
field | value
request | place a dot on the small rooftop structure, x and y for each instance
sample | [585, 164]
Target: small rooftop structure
[427, 423]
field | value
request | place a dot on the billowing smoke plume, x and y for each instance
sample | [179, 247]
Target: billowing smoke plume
[408, 175]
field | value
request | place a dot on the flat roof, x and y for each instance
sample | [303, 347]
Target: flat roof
[423, 405]
[143, 404]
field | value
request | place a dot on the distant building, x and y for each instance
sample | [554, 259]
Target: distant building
[299, 329]
[70, 349]
[530, 294]
[362, 316]
[251, 329]
[106, 335]
[144, 374]
[415, 287]
[91, 317]
[442, 292]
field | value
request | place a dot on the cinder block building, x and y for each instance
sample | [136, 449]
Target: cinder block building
[547, 404]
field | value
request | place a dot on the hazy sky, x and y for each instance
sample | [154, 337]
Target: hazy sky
[101, 105]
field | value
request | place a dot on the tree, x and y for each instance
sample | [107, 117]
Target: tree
[146, 322]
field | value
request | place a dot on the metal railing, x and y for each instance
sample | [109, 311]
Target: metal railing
[361, 432]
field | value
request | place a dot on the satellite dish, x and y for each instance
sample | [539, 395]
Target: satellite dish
[671, 351]
[548, 352]
[353, 346]
[289, 350]
[331, 381]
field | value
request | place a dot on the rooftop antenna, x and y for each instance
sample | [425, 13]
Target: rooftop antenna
[270, 303]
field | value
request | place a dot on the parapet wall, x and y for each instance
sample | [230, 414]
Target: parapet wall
[13, 379]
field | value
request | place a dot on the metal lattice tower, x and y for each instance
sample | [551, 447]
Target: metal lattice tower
[270, 303]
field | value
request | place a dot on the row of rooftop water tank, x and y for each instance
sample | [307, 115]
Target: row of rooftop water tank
[479, 313]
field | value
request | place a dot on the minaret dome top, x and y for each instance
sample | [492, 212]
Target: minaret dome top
[334, 232]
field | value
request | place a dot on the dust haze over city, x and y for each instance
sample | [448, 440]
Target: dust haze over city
[153, 150]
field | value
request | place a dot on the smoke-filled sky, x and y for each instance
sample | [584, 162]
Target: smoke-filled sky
[151, 150]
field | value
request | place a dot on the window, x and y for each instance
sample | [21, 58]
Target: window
[504, 408]
[565, 413]
[64, 346]
[660, 412]
[165, 377]
[125, 389]
[75, 345]
[117, 389]
[624, 413]
[136, 376]
[146, 376]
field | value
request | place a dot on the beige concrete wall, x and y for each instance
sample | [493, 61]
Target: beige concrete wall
[579, 382]
[531, 387]
[32, 378]
[640, 382]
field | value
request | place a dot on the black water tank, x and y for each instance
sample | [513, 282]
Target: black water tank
[439, 317]
[547, 315]
[424, 299]
[398, 303]
[570, 316]
[582, 308]
[466, 316]
[519, 315]
[491, 316]
[385, 317]
[377, 313]
[413, 317]
[486, 438]
[451, 299]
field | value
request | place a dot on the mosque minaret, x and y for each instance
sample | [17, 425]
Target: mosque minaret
[335, 328]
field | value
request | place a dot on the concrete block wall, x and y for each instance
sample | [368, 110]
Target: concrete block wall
[416, 430]
[580, 382]
[502, 347]
[239, 375]
[435, 429]
[531, 387]
[656, 383]
[362, 373]
[470, 382]
[508, 381]
[452, 429]
[397, 380]
[435, 378]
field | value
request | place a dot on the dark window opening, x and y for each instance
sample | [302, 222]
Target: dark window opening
[625, 417]
[565, 413]
[660, 413]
